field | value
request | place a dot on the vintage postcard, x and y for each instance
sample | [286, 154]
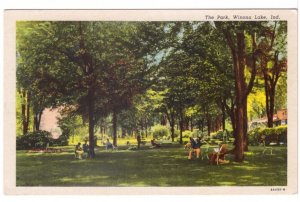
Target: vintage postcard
[150, 102]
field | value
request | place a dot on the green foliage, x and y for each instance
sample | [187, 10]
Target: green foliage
[61, 141]
[254, 136]
[176, 133]
[32, 140]
[218, 135]
[276, 135]
[159, 131]
[187, 134]
[256, 104]
[73, 128]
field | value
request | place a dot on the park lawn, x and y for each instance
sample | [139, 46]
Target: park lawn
[167, 166]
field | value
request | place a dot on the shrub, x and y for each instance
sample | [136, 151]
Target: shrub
[61, 141]
[197, 133]
[187, 134]
[36, 139]
[176, 133]
[218, 135]
[254, 137]
[276, 134]
[158, 131]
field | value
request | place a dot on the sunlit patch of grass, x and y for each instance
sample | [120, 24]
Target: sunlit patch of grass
[226, 183]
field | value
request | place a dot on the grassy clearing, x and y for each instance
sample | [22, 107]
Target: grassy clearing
[167, 166]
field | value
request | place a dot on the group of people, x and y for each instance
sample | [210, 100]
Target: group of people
[84, 151]
[215, 157]
[80, 152]
[194, 147]
[153, 142]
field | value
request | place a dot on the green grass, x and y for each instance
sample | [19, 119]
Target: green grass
[167, 166]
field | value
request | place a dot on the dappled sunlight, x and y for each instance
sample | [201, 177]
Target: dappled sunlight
[226, 183]
[167, 167]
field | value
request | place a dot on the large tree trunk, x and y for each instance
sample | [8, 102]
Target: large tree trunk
[114, 120]
[237, 47]
[241, 98]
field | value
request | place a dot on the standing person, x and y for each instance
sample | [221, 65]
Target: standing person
[86, 149]
[195, 147]
[108, 144]
[138, 138]
[78, 151]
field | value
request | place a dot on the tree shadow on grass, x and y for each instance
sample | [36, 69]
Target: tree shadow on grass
[160, 167]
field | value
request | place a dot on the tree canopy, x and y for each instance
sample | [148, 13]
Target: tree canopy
[138, 74]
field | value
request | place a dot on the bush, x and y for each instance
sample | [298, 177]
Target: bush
[187, 134]
[61, 141]
[276, 134]
[158, 131]
[197, 133]
[254, 137]
[218, 135]
[176, 133]
[36, 139]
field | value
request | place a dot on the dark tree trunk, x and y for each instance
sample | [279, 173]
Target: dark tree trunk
[163, 120]
[25, 128]
[25, 111]
[237, 47]
[172, 124]
[270, 85]
[37, 120]
[181, 130]
[271, 77]
[28, 109]
[181, 125]
[123, 132]
[114, 119]
[91, 122]
[208, 126]
[271, 110]
[146, 127]
[242, 91]
[223, 117]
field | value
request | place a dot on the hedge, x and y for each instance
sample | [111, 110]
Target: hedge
[38, 140]
[276, 135]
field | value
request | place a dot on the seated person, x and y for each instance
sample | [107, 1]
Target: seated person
[194, 148]
[86, 149]
[109, 145]
[78, 151]
[154, 143]
[128, 143]
[218, 155]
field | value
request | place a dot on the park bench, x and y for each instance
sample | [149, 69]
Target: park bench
[267, 148]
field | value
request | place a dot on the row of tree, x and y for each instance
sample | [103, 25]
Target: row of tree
[145, 72]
